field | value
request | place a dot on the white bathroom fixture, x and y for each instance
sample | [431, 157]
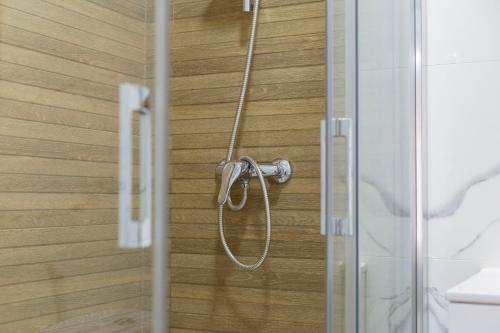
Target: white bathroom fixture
[475, 303]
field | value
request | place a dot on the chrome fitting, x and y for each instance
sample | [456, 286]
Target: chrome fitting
[280, 171]
[248, 6]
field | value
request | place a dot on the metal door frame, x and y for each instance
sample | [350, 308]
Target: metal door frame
[417, 171]
[160, 318]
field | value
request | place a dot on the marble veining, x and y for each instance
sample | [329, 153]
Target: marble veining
[448, 209]
[396, 323]
[439, 298]
[456, 200]
[390, 307]
[391, 204]
[377, 242]
[392, 313]
[438, 305]
[478, 236]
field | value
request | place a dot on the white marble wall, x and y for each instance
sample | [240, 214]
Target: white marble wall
[463, 107]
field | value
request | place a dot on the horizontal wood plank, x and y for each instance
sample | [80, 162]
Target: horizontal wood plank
[29, 22]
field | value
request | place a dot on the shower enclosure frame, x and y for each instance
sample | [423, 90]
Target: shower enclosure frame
[417, 171]
[420, 231]
[161, 117]
[160, 320]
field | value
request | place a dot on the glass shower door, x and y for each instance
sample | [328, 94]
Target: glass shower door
[386, 114]
[61, 267]
[369, 176]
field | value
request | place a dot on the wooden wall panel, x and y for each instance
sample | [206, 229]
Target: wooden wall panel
[60, 66]
[61, 63]
[281, 119]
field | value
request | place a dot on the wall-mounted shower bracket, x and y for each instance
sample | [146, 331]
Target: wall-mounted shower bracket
[248, 5]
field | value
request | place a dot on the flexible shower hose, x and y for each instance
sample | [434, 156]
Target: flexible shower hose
[233, 258]
[251, 161]
[246, 76]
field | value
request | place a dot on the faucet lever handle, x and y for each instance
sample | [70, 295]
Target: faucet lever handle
[230, 173]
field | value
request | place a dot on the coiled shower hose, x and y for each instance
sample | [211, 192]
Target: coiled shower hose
[251, 161]
[268, 222]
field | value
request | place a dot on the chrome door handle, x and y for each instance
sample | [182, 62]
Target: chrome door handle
[135, 234]
[342, 226]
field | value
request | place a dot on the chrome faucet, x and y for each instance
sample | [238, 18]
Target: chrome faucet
[279, 171]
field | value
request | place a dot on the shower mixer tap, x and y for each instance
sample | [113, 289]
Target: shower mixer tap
[231, 171]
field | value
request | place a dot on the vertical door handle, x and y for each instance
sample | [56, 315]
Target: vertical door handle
[342, 226]
[135, 234]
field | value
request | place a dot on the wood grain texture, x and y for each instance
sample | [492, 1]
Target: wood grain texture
[281, 119]
[60, 66]
[61, 63]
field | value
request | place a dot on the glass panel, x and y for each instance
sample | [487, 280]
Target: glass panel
[385, 129]
[61, 269]
[341, 104]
